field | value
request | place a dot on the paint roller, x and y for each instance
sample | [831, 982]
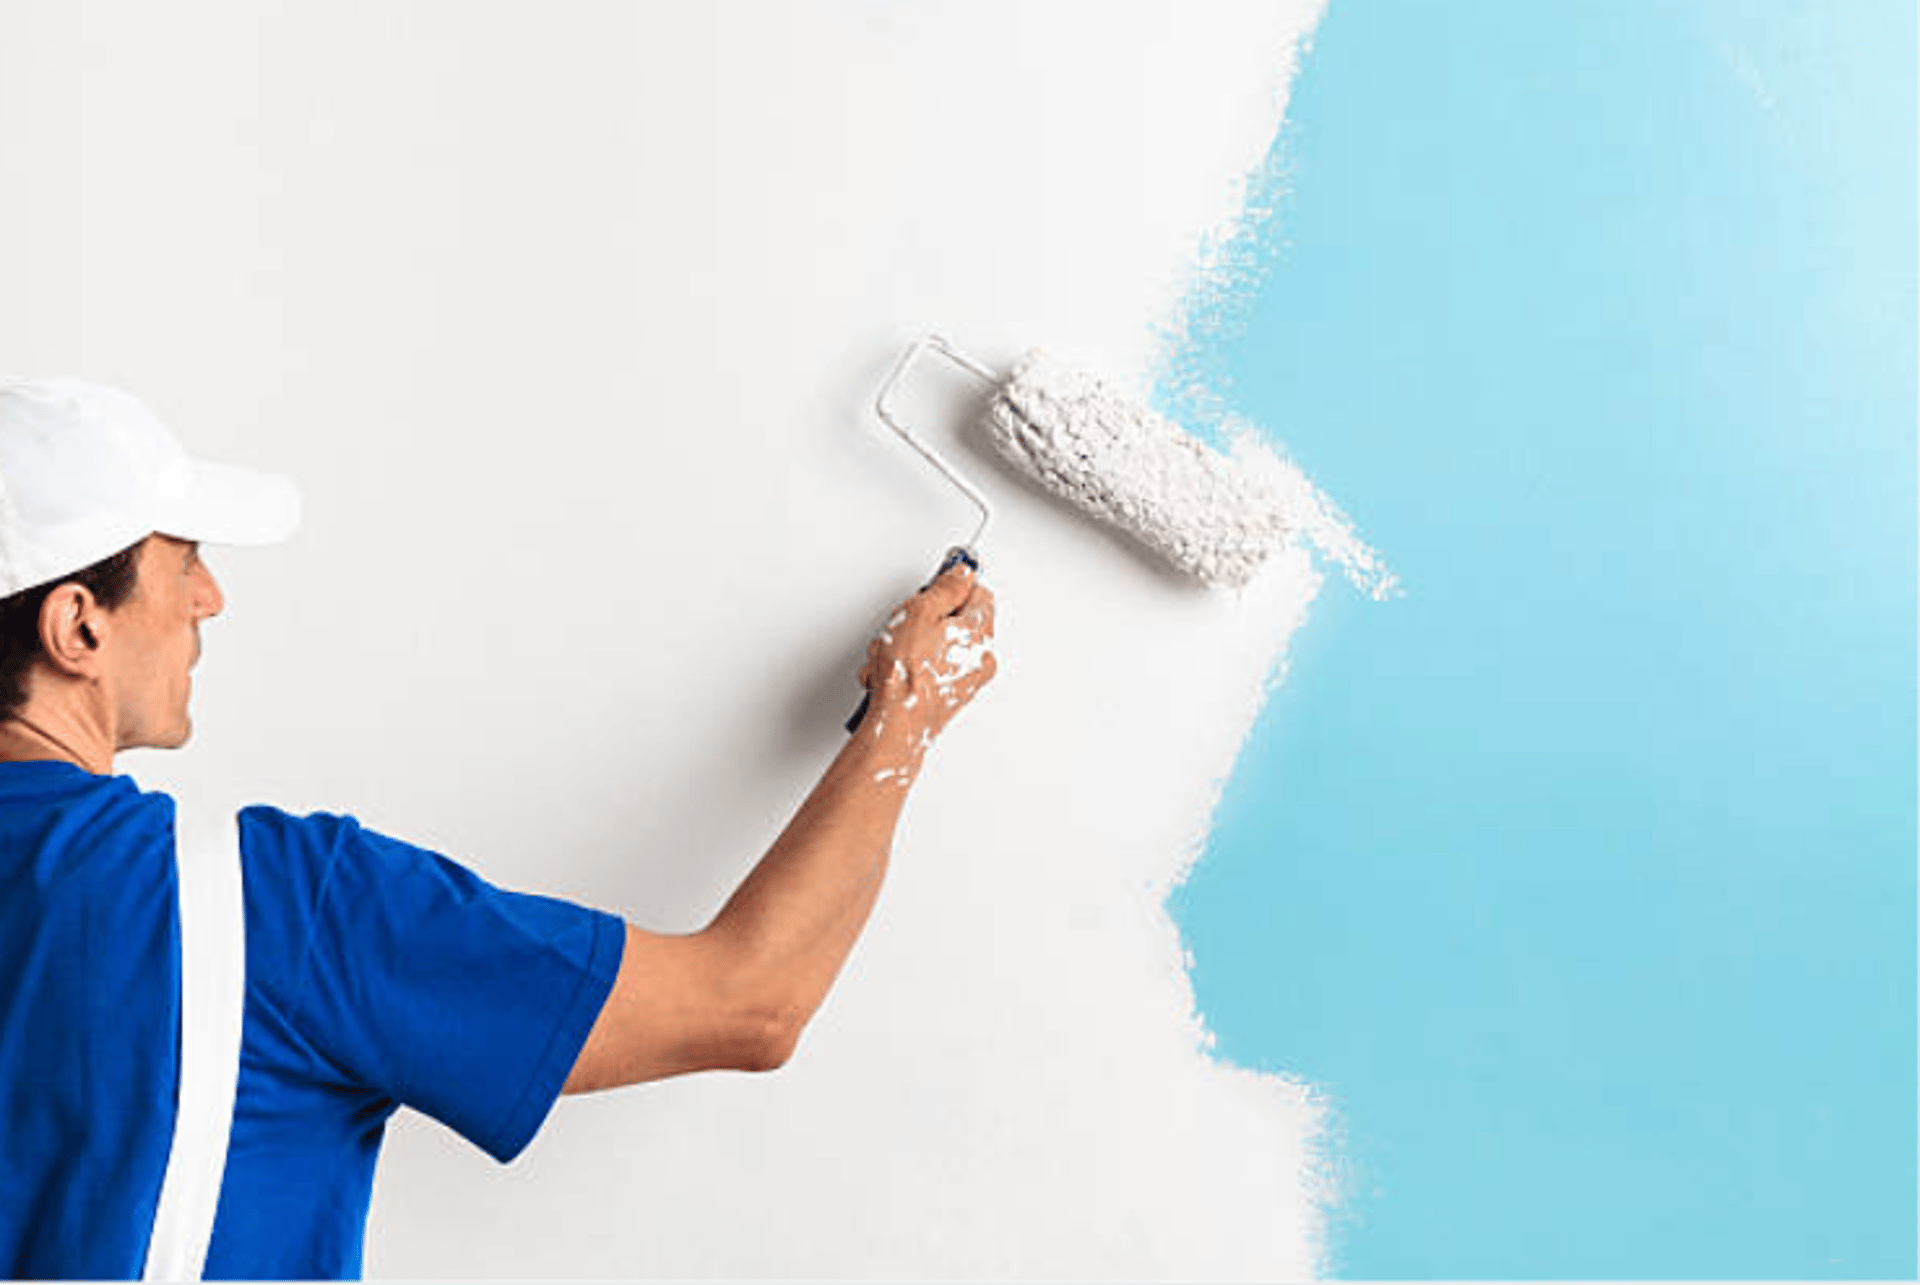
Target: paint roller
[1072, 434]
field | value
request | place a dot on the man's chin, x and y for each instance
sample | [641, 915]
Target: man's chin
[172, 739]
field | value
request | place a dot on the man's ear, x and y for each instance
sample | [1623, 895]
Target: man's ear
[72, 629]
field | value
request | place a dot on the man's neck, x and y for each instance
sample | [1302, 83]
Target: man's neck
[36, 736]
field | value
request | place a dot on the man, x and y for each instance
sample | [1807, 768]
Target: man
[377, 974]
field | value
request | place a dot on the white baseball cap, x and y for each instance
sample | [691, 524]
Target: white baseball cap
[86, 471]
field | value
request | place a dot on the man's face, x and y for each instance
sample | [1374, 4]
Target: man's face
[156, 640]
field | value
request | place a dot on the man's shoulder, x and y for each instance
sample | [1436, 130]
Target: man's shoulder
[56, 816]
[268, 823]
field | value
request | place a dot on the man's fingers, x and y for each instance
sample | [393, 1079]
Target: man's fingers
[979, 609]
[946, 594]
[968, 685]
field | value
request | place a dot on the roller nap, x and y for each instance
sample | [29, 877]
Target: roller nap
[1137, 470]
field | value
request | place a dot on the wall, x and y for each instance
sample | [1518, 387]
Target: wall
[567, 318]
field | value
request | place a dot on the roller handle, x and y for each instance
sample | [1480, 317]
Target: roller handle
[957, 554]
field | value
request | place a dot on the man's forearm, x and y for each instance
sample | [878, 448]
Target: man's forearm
[794, 920]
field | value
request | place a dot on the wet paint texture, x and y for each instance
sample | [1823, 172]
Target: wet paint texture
[1582, 876]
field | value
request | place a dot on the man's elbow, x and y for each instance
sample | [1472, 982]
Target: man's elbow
[776, 1038]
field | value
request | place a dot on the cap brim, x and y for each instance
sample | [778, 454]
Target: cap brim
[226, 504]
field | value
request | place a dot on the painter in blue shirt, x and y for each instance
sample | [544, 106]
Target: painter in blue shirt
[377, 974]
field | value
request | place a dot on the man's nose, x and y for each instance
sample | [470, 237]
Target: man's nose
[209, 601]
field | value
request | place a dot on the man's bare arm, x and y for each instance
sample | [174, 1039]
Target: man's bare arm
[737, 994]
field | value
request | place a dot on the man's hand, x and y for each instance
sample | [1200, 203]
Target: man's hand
[931, 658]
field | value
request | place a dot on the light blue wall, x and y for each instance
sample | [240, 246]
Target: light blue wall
[1582, 877]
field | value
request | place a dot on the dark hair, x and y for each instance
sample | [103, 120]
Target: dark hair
[111, 582]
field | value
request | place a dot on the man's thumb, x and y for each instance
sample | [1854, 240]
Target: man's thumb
[951, 587]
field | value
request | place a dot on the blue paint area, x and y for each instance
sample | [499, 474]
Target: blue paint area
[1582, 876]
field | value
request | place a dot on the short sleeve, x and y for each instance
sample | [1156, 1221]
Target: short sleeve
[431, 986]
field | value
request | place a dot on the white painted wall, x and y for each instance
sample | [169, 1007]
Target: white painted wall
[567, 317]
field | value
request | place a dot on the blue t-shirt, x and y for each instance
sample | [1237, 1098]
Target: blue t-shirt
[379, 975]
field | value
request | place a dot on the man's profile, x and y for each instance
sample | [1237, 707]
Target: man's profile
[377, 974]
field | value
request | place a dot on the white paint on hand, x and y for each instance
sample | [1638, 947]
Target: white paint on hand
[966, 652]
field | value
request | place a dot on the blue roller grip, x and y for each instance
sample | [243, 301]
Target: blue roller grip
[958, 553]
